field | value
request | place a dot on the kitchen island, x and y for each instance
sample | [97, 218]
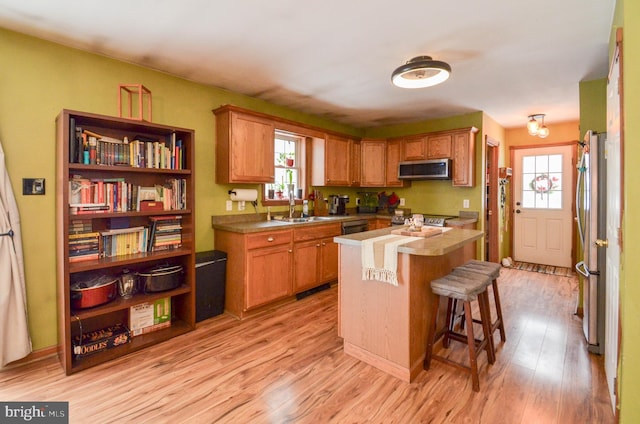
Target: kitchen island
[386, 325]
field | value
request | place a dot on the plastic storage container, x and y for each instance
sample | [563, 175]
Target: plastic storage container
[211, 274]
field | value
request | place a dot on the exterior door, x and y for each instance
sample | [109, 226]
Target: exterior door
[543, 218]
[614, 205]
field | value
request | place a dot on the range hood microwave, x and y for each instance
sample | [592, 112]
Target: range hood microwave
[435, 169]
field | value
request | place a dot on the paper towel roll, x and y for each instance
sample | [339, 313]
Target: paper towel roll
[240, 194]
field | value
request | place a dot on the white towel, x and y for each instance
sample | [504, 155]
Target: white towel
[380, 257]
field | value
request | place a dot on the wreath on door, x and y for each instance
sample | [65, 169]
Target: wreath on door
[544, 184]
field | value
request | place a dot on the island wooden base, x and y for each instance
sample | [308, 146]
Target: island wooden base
[385, 325]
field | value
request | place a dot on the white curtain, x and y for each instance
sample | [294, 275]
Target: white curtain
[15, 342]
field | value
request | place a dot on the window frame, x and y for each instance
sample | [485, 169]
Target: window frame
[301, 164]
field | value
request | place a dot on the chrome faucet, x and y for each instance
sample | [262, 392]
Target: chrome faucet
[292, 200]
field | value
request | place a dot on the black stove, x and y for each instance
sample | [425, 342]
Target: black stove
[429, 219]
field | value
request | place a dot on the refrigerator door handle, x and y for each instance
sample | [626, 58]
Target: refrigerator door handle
[582, 269]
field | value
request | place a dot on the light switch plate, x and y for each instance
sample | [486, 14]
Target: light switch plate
[33, 186]
[229, 205]
[465, 203]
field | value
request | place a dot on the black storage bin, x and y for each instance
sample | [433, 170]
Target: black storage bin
[211, 271]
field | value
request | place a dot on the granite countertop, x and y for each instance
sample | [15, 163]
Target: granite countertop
[256, 223]
[438, 245]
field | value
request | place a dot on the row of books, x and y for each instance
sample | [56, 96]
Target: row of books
[125, 241]
[116, 195]
[166, 232]
[163, 233]
[91, 148]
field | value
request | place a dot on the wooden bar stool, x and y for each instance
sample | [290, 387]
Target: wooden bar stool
[492, 270]
[465, 289]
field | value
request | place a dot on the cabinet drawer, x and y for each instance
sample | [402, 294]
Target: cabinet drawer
[317, 231]
[258, 240]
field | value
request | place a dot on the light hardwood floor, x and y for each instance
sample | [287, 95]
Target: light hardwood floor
[287, 366]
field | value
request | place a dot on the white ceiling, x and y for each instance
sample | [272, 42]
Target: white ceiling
[334, 58]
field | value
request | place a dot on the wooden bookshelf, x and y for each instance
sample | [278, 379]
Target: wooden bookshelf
[179, 166]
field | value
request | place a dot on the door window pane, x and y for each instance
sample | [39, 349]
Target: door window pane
[542, 181]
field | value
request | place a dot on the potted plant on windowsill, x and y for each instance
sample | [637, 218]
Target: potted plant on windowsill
[286, 159]
[279, 190]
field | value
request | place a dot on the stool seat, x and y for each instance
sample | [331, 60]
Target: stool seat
[462, 286]
[459, 287]
[488, 268]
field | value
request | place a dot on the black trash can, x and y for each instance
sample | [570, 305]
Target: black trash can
[211, 271]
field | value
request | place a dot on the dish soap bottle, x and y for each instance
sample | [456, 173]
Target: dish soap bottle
[305, 208]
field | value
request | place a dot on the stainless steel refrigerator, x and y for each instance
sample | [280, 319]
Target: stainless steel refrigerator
[591, 217]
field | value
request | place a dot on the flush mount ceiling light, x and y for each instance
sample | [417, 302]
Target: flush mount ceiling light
[536, 127]
[421, 71]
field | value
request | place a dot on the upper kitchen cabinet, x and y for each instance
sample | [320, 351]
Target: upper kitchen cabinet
[244, 147]
[331, 161]
[463, 155]
[438, 146]
[394, 156]
[373, 159]
[415, 148]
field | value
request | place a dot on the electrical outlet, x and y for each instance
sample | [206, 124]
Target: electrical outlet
[402, 201]
[465, 203]
[357, 201]
[229, 205]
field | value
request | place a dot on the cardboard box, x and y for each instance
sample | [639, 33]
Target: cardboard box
[150, 316]
[99, 340]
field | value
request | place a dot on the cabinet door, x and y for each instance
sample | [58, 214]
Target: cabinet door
[337, 161]
[439, 146]
[251, 150]
[373, 163]
[356, 163]
[268, 275]
[329, 260]
[306, 265]
[415, 148]
[463, 159]
[383, 223]
[394, 154]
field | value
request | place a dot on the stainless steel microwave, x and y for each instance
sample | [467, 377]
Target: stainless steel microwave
[434, 169]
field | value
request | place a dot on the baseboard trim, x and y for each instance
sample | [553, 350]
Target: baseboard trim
[34, 356]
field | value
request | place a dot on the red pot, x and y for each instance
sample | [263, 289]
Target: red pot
[87, 294]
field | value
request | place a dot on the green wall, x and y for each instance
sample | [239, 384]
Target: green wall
[593, 106]
[628, 18]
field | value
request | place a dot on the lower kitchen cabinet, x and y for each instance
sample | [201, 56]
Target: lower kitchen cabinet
[267, 267]
[268, 275]
[315, 256]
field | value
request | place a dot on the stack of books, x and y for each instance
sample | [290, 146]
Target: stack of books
[124, 241]
[165, 232]
[84, 246]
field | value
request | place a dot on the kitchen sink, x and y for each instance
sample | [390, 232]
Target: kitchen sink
[306, 219]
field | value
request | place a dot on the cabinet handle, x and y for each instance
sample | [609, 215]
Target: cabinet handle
[324, 244]
[317, 245]
[290, 251]
[270, 239]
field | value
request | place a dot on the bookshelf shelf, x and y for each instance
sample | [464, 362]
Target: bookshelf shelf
[170, 150]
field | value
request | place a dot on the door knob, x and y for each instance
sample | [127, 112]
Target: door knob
[601, 243]
[517, 210]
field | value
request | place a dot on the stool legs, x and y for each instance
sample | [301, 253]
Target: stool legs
[499, 322]
[474, 346]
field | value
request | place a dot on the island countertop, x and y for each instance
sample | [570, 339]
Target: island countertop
[450, 240]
